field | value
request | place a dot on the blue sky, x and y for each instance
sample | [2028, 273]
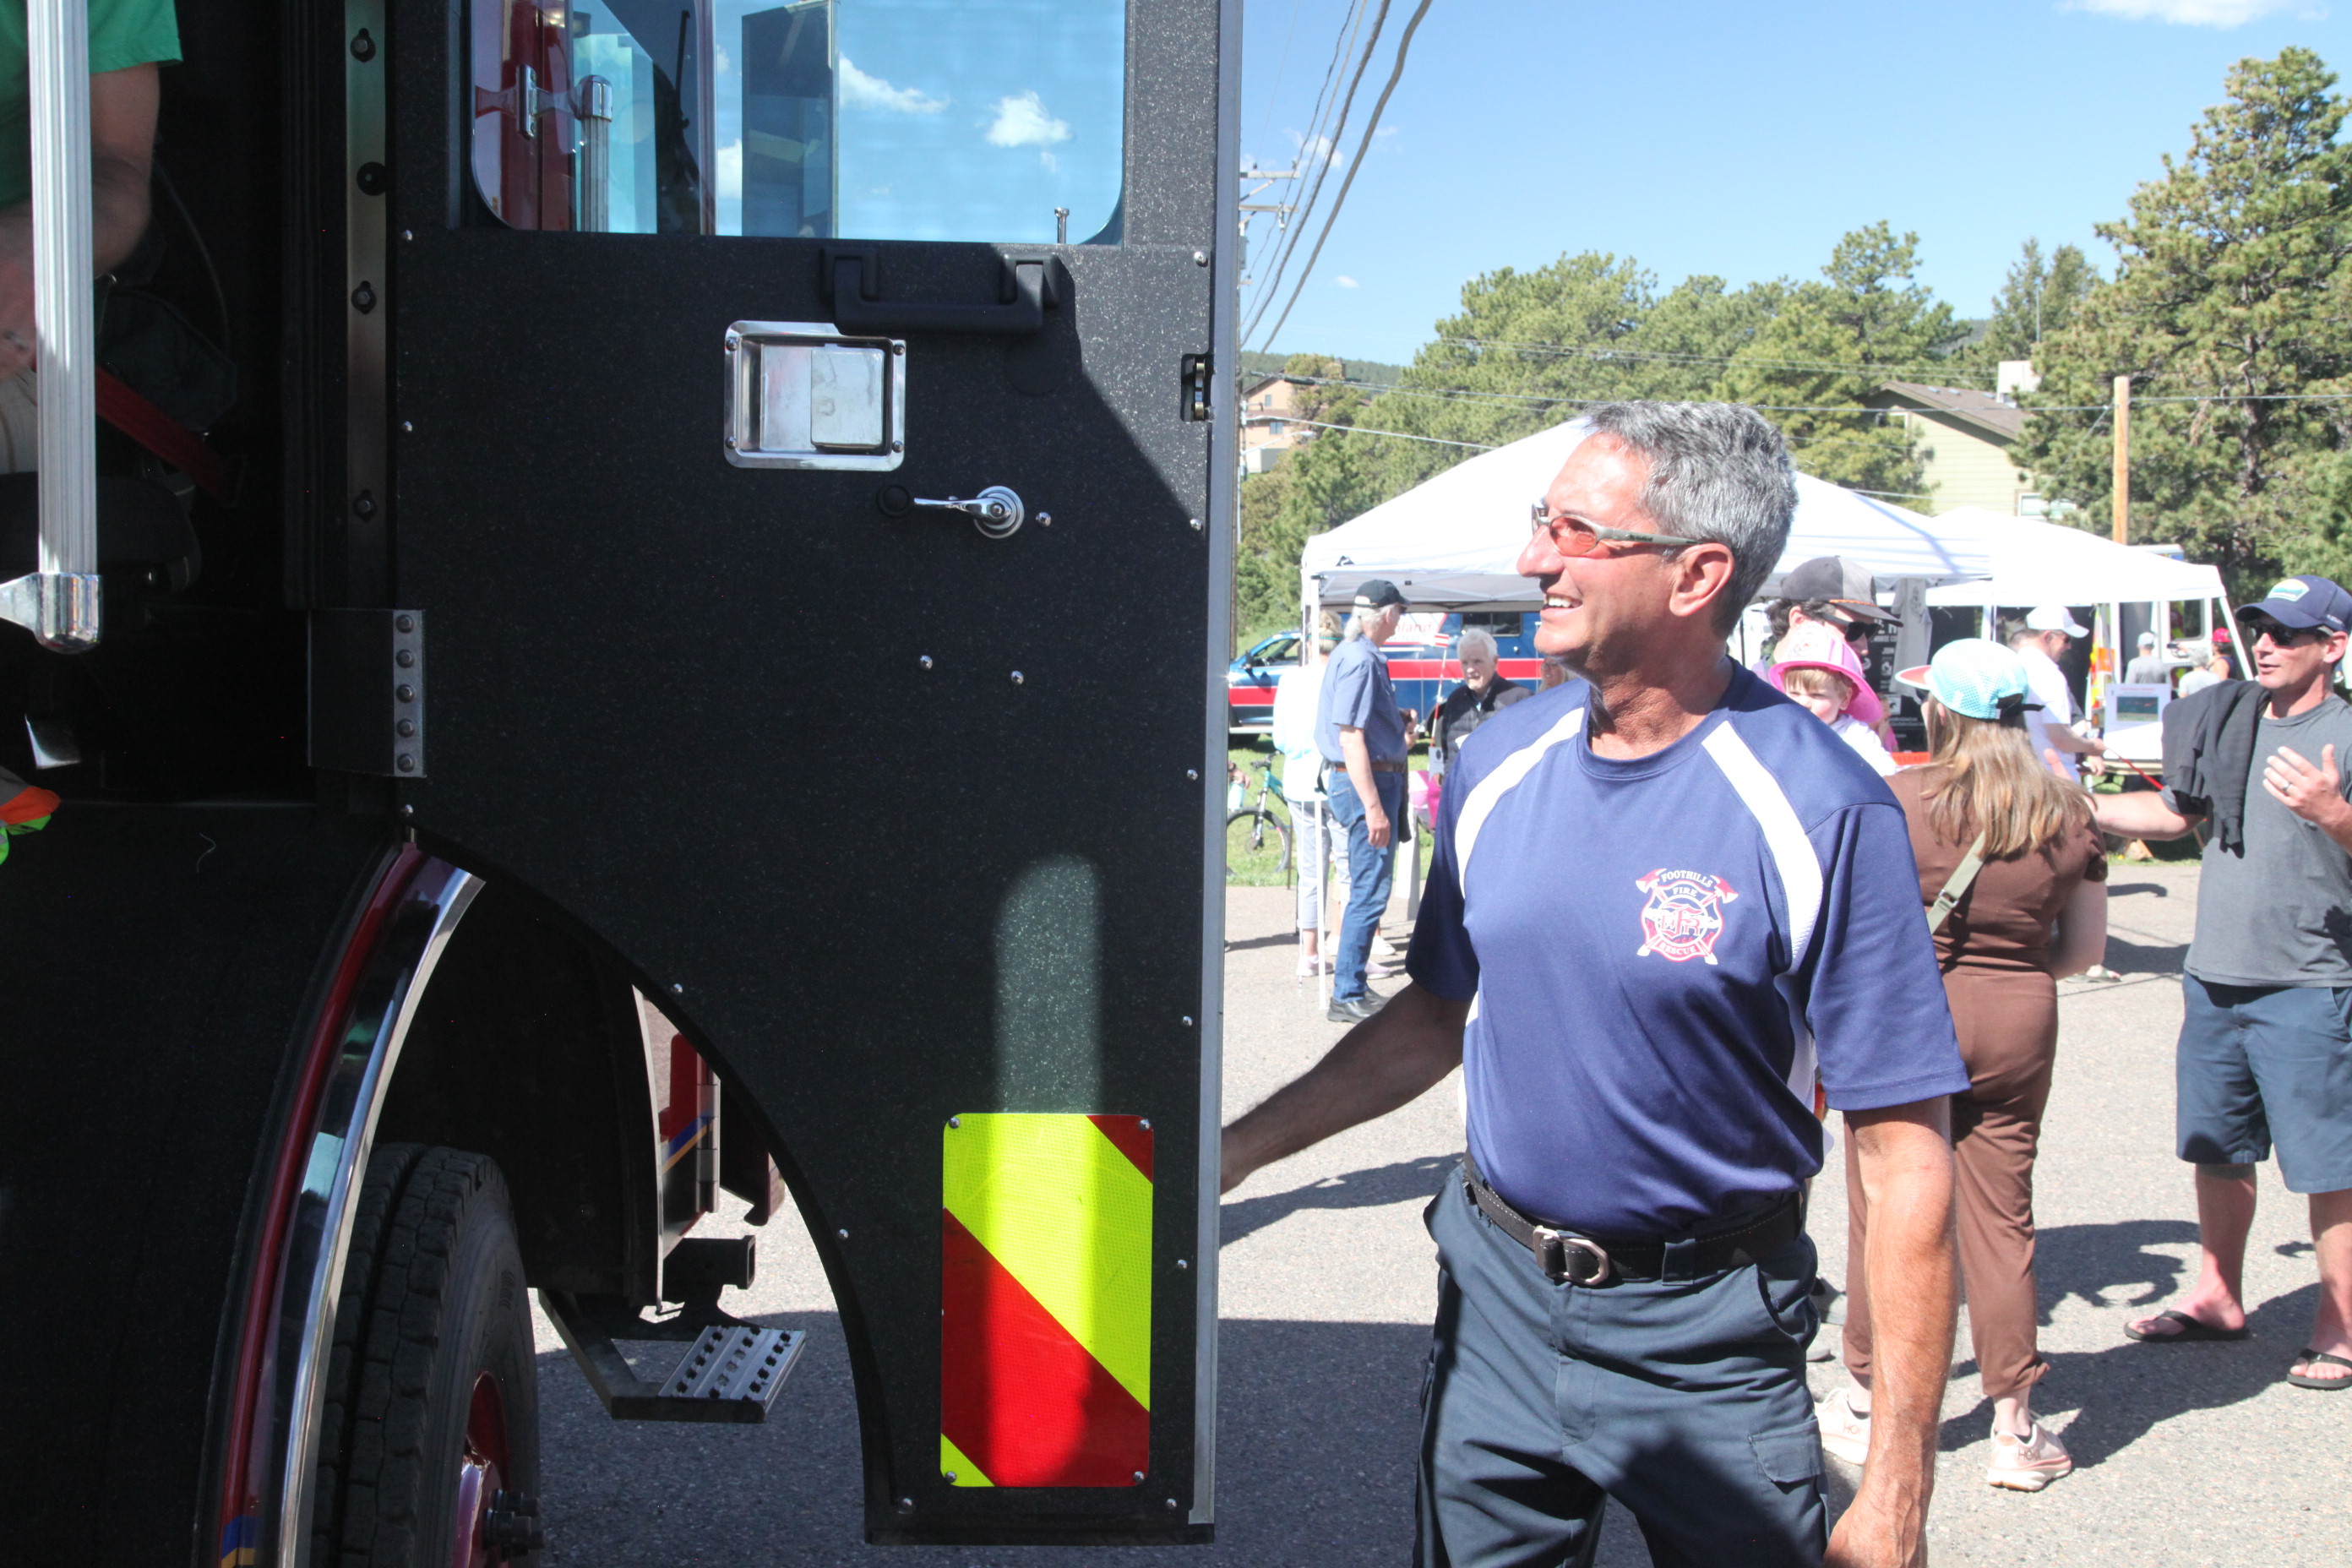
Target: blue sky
[1736, 139]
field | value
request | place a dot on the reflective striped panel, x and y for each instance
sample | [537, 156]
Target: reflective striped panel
[1046, 1300]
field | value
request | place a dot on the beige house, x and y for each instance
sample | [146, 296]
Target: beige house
[1963, 438]
[1269, 405]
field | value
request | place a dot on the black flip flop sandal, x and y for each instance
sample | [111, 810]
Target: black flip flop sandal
[2190, 1329]
[2313, 1358]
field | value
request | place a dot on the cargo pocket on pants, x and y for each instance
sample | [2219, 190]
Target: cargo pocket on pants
[1791, 1456]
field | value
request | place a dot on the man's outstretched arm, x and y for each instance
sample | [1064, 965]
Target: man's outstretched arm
[1387, 1060]
[1906, 1153]
[2139, 814]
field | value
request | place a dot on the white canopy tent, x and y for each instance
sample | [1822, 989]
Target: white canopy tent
[2033, 562]
[1454, 541]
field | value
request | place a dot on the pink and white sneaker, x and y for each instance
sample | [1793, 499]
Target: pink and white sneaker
[2028, 1464]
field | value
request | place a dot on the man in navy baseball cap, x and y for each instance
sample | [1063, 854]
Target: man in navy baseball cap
[2303, 603]
[2265, 1058]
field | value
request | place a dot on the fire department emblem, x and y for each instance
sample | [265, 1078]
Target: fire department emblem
[1683, 916]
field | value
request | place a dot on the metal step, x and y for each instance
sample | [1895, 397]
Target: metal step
[730, 1373]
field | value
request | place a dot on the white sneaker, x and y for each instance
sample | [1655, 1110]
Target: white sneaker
[1309, 966]
[2028, 1464]
[1845, 1432]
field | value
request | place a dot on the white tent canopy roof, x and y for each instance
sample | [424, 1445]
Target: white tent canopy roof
[2035, 563]
[1452, 542]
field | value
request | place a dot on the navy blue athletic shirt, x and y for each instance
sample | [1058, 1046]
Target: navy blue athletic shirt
[1662, 954]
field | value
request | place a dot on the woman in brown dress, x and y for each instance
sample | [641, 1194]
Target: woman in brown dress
[2035, 910]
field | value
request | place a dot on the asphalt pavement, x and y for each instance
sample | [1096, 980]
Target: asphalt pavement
[2185, 1454]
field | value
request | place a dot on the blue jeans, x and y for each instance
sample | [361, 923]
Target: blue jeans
[1684, 1399]
[1370, 869]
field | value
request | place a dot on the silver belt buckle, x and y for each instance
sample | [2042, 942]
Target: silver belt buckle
[1571, 1258]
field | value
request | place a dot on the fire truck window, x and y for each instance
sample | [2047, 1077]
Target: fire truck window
[945, 119]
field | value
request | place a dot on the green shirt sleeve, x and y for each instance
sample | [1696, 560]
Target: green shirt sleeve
[126, 32]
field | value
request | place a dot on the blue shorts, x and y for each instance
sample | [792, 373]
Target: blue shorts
[1684, 1399]
[2264, 1062]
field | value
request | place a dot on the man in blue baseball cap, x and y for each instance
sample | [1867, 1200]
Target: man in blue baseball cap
[2265, 1051]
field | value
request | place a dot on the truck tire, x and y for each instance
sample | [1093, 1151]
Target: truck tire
[428, 1440]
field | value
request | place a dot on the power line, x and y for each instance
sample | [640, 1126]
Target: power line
[1359, 430]
[1467, 394]
[1363, 147]
[1314, 145]
[1323, 168]
[1274, 89]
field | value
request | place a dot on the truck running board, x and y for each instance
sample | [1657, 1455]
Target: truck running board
[731, 1373]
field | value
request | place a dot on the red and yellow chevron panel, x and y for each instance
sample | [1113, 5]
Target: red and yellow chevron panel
[1046, 1300]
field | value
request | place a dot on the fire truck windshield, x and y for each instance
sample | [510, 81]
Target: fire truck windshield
[935, 120]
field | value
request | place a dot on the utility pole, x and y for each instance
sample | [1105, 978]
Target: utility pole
[2122, 460]
[1281, 210]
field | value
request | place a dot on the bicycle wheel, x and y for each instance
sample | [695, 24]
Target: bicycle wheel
[1257, 849]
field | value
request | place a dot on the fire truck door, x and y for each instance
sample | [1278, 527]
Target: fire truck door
[798, 448]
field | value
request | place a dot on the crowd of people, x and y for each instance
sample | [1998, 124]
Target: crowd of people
[1680, 912]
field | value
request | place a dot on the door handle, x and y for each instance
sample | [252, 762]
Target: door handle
[996, 512]
[852, 283]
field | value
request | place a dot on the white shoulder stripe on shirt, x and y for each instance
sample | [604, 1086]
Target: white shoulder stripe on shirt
[1800, 881]
[1490, 791]
[1792, 852]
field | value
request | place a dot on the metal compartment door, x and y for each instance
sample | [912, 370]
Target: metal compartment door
[909, 821]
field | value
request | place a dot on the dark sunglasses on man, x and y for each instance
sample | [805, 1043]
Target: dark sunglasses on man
[2281, 636]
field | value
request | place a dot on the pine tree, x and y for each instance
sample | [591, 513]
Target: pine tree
[2231, 287]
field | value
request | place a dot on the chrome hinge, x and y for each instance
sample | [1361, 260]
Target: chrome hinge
[1194, 376]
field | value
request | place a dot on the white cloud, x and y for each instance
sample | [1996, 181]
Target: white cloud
[1344, 281]
[1022, 121]
[2197, 13]
[1309, 154]
[730, 171]
[862, 91]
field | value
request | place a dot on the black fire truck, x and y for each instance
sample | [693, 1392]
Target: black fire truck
[555, 732]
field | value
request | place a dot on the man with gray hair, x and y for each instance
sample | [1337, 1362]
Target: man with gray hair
[1668, 907]
[1481, 692]
[1362, 735]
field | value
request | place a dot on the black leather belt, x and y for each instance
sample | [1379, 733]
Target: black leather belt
[1567, 1257]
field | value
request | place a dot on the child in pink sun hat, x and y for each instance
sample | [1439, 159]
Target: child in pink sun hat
[1817, 668]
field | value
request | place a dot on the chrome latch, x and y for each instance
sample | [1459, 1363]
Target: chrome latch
[996, 512]
[60, 608]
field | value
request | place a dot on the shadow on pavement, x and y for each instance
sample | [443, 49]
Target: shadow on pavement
[2122, 1391]
[1279, 939]
[2157, 889]
[1374, 1188]
[2128, 957]
[2118, 1394]
[1317, 1428]
[2110, 1265]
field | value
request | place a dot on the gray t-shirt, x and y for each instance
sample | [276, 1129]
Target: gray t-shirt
[2282, 913]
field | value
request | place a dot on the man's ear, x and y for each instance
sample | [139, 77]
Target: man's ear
[1702, 576]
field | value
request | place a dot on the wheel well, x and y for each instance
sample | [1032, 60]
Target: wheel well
[526, 1047]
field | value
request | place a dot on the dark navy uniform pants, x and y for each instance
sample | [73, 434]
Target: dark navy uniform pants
[1683, 1398]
